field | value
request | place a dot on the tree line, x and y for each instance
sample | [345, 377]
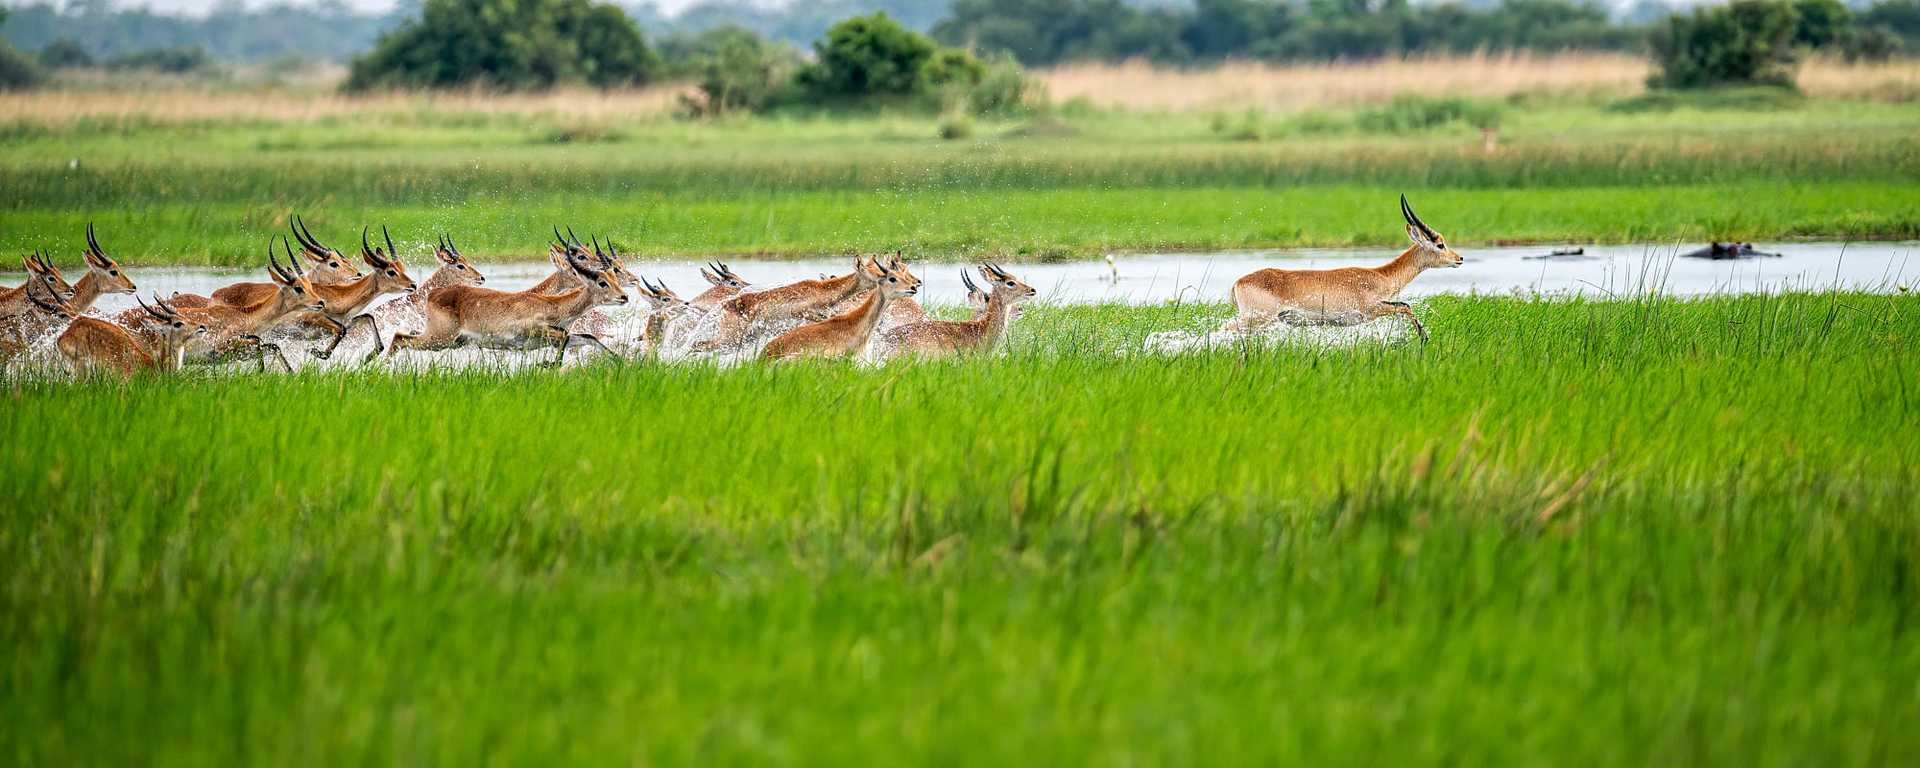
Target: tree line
[974, 53]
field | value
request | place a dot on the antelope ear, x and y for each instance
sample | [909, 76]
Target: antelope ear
[1419, 236]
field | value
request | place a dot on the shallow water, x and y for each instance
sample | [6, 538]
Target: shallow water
[1611, 270]
[1602, 271]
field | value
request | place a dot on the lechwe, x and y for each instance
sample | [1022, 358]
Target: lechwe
[985, 332]
[45, 308]
[103, 276]
[230, 328]
[454, 270]
[847, 334]
[462, 314]
[757, 309]
[91, 343]
[42, 275]
[1344, 296]
[326, 267]
[346, 302]
[726, 285]
[664, 308]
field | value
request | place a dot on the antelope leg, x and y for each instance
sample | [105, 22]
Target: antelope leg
[1403, 308]
[339, 335]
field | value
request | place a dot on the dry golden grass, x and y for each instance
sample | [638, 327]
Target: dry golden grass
[1137, 85]
[1141, 86]
[181, 104]
[1895, 80]
[1133, 85]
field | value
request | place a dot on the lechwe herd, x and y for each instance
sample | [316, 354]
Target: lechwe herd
[868, 313]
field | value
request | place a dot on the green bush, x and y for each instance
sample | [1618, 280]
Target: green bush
[951, 69]
[733, 69]
[65, 53]
[1002, 88]
[868, 56]
[509, 44]
[1822, 23]
[17, 72]
[1411, 113]
[873, 57]
[1746, 42]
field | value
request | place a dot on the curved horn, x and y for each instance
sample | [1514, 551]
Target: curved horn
[1413, 219]
[879, 266]
[559, 239]
[451, 246]
[280, 275]
[367, 251]
[157, 314]
[576, 238]
[165, 305]
[51, 306]
[392, 252]
[306, 238]
[293, 265]
[596, 247]
[94, 249]
[968, 280]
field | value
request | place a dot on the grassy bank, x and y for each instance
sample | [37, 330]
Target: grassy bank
[1561, 532]
[962, 224]
[1069, 184]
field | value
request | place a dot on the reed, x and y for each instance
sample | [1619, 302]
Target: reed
[1561, 532]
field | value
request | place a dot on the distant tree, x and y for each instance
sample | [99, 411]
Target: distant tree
[1871, 44]
[1901, 17]
[17, 72]
[732, 68]
[867, 56]
[65, 53]
[509, 44]
[1823, 23]
[172, 61]
[1218, 29]
[1746, 42]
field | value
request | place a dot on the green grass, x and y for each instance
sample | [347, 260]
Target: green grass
[211, 193]
[1562, 532]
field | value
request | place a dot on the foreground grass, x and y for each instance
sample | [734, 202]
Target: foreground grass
[1561, 532]
[1062, 186]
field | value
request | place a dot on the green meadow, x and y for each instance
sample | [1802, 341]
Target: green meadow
[1064, 183]
[1562, 532]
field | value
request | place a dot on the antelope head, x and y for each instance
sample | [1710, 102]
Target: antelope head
[722, 276]
[104, 269]
[1431, 247]
[891, 276]
[976, 297]
[1009, 288]
[42, 272]
[174, 329]
[389, 273]
[457, 265]
[328, 265]
[295, 291]
[610, 261]
[603, 288]
[659, 297]
[50, 302]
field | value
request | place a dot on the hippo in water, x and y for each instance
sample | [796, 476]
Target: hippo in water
[1727, 251]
